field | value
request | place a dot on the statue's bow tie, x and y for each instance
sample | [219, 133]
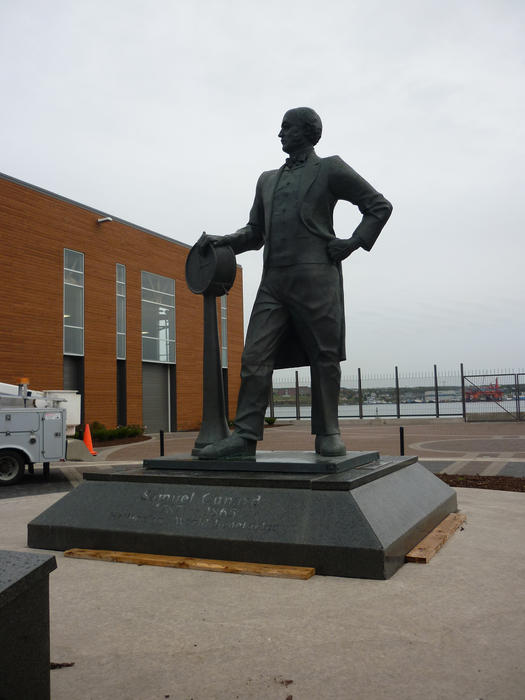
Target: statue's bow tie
[291, 161]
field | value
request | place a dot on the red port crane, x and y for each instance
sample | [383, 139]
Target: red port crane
[489, 392]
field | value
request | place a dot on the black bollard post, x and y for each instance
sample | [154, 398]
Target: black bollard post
[360, 392]
[297, 399]
[401, 441]
[161, 434]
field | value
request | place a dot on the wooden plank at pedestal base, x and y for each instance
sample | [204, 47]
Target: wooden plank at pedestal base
[432, 543]
[226, 567]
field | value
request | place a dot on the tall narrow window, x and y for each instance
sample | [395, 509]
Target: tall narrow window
[73, 302]
[158, 318]
[224, 331]
[121, 312]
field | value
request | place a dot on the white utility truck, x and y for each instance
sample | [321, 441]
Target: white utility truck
[33, 428]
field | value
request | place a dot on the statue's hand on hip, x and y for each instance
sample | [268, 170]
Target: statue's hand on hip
[341, 248]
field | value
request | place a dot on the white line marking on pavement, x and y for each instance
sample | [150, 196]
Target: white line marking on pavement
[495, 466]
[459, 464]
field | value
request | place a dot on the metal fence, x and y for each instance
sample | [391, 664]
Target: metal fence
[423, 394]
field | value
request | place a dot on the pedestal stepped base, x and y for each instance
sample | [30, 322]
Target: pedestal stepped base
[359, 522]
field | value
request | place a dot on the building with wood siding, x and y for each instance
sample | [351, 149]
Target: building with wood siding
[103, 307]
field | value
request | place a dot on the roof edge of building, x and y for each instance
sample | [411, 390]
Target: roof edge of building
[61, 198]
[36, 188]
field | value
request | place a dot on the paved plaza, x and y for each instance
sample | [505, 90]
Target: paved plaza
[452, 628]
[446, 445]
[443, 445]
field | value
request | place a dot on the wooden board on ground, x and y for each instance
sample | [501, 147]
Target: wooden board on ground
[432, 543]
[226, 567]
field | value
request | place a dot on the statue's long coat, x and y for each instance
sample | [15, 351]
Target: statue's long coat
[324, 182]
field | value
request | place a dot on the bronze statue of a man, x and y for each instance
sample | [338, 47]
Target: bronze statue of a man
[298, 314]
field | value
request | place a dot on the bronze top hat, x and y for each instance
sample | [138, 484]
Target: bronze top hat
[210, 270]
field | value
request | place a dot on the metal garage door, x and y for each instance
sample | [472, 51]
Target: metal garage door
[73, 376]
[155, 397]
[74, 373]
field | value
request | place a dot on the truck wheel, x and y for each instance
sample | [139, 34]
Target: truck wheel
[11, 467]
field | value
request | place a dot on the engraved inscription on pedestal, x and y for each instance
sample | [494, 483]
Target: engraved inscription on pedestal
[199, 509]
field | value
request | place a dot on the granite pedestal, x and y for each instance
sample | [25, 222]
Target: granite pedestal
[24, 624]
[354, 521]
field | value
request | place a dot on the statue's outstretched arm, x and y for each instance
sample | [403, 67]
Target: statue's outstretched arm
[250, 237]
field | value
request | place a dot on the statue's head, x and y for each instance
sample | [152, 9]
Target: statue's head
[301, 127]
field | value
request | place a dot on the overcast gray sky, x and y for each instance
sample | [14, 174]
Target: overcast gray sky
[165, 112]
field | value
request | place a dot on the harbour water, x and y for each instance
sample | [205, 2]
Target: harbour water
[410, 410]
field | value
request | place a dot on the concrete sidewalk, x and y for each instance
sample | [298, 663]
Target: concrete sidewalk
[453, 628]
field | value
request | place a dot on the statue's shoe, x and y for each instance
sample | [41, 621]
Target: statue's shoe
[329, 446]
[232, 447]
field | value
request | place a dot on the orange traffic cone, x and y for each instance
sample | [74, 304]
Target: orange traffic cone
[87, 440]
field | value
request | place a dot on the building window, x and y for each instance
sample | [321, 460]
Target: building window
[158, 318]
[73, 302]
[224, 331]
[121, 312]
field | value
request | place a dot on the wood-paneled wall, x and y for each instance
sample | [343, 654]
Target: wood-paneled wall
[35, 227]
